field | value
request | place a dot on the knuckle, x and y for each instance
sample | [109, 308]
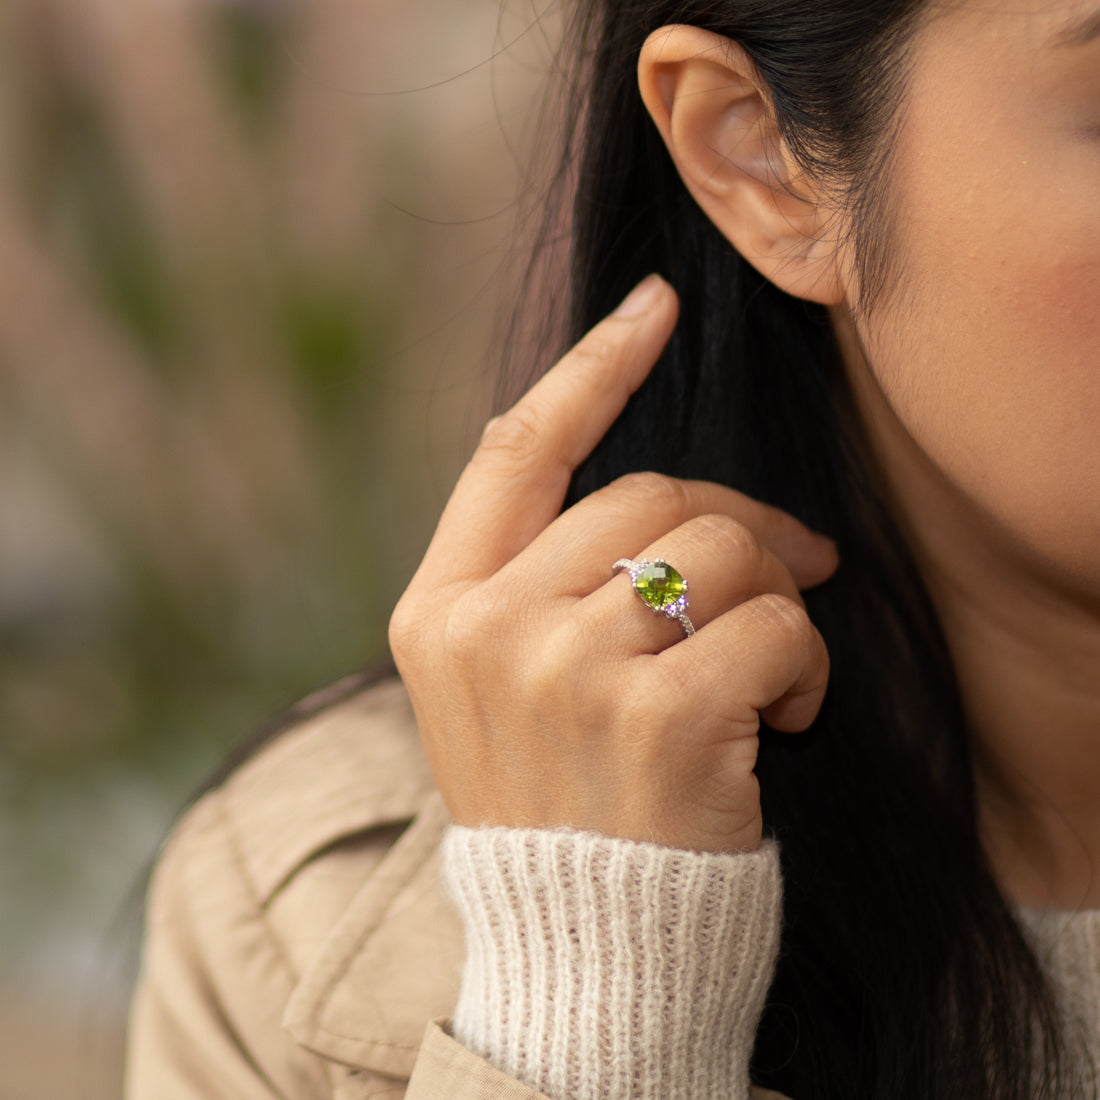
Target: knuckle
[652, 490]
[467, 628]
[730, 538]
[592, 355]
[551, 672]
[405, 627]
[785, 615]
[515, 435]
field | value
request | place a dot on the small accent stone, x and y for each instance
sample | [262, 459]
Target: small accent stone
[659, 585]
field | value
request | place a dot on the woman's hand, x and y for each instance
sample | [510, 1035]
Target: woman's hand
[546, 692]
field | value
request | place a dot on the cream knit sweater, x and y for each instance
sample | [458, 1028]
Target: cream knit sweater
[604, 969]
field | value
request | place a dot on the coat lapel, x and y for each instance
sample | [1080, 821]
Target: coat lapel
[391, 964]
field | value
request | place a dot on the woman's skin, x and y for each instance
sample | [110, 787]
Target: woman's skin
[546, 693]
[549, 695]
[984, 407]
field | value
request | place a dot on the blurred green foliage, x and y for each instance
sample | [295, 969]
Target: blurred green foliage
[191, 641]
[244, 300]
[209, 485]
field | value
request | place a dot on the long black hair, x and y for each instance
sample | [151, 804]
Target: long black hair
[903, 971]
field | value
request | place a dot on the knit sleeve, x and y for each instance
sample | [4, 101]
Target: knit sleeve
[606, 969]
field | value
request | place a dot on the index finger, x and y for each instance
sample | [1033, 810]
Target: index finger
[514, 485]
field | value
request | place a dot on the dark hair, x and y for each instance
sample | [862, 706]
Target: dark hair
[903, 971]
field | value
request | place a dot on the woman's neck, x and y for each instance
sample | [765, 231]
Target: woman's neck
[1028, 663]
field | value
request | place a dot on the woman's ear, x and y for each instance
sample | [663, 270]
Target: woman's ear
[717, 119]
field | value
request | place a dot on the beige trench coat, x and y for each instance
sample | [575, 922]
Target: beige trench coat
[298, 942]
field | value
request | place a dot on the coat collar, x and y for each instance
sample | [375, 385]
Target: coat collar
[394, 958]
[391, 964]
[350, 767]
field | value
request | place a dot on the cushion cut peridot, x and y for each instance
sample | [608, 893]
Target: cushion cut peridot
[659, 585]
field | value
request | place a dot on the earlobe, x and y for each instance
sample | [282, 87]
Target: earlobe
[717, 120]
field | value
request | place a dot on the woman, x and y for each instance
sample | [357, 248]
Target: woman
[679, 864]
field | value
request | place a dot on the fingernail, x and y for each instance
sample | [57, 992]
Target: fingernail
[642, 298]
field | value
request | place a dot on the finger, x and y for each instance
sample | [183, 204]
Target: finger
[764, 655]
[721, 562]
[514, 485]
[626, 518]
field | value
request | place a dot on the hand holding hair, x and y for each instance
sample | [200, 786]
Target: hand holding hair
[546, 692]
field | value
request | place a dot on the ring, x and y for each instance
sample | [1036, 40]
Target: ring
[661, 588]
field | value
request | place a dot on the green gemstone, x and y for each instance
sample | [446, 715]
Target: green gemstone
[659, 585]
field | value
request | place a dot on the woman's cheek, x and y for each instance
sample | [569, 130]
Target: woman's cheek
[991, 363]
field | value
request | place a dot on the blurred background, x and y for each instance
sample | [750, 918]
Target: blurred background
[250, 260]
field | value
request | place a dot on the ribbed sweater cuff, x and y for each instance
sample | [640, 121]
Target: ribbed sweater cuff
[605, 969]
